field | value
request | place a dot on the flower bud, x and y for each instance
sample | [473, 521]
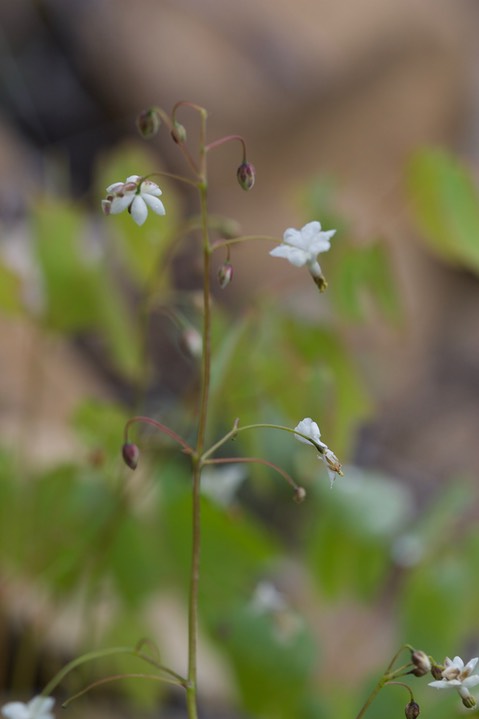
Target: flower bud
[299, 495]
[225, 275]
[130, 454]
[148, 123]
[421, 662]
[178, 133]
[412, 710]
[246, 175]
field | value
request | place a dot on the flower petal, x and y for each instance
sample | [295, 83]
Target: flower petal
[310, 429]
[139, 210]
[154, 203]
[296, 256]
[150, 188]
[15, 710]
[118, 204]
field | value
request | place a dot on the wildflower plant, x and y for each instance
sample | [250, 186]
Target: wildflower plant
[209, 459]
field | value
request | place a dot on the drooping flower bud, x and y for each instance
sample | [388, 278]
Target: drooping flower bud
[412, 710]
[299, 494]
[225, 275]
[130, 454]
[178, 133]
[106, 206]
[246, 175]
[148, 123]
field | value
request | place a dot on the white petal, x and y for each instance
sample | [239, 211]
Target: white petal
[118, 204]
[139, 210]
[469, 668]
[15, 710]
[150, 188]
[296, 256]
[471, 681]
[114, 187]
[40, 707]
[154, 203]
[293, 237]
[310, 429]
[311, 230]
[133, 178]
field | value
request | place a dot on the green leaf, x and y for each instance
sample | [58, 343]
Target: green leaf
[11, 301]
[445, 201]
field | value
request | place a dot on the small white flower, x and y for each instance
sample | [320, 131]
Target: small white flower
[38, 708]
[458, 676]
[267, 599]
[313, 436]
[302, 247]
[136, 196]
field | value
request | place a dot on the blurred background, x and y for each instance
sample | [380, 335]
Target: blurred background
[362, 114]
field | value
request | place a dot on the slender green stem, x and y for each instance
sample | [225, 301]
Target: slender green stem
[191, 688]
[236, 429]
[244, 238]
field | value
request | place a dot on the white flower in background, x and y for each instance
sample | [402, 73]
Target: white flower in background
[37, 708]
[460, 677]
[267, 598]
[136, 196]
[313, 436]
[302, 247]
[222, 484]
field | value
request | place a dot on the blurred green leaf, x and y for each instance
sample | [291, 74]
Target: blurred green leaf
[273, 671]
[445, 201]
[11, 301]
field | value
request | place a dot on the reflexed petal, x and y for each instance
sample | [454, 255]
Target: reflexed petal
[471, 681]
[139, 210]
[154, 203]
[41, 707]
[133, 178]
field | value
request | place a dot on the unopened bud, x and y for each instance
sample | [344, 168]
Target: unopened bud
[436, 671]
[148, 123]
[246, 175]
[225, 275]
[421, 662]
[178, 133]
[412, 710]
[130, 454]
[299, 495]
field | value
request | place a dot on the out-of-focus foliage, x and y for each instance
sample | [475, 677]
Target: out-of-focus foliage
[89, 528]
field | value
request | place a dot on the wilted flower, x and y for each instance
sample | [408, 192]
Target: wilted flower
[302, 247]
[456, 675]
[136, 196]
[313, 436]
[38, 708]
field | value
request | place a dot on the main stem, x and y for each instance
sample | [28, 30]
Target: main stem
[191, 689]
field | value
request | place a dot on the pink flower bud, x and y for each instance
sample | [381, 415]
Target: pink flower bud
[225, 275]
[130, 454]
[148, 123]
[246, 175]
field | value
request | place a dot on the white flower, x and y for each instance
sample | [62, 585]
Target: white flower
[38, 708]
[267, 598]
[136, 196]
[313, 436]
[458, 676]
[302, 247]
